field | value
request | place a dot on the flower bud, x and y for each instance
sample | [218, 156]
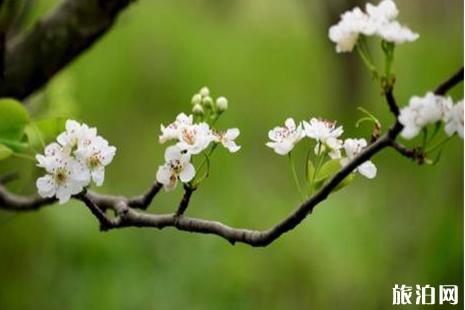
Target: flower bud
[204, 92]
[197, 109]
[222, 104]
[207, 101]
[197, 99]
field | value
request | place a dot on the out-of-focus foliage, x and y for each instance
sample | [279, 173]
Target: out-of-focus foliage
[271, 59]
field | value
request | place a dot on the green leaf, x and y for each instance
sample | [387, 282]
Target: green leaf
[43, 132]
[13, 118]
[34, 136]
[348, 179]
[328, 169]
[310, 170]
[5, 152]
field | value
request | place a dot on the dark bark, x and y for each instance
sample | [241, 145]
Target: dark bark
[33, 58]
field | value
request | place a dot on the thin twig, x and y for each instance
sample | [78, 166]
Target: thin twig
[143, 201]
[185, 200]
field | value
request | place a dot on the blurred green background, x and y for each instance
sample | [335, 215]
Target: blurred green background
[271, 59]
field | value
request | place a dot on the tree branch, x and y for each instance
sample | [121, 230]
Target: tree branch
[185, 200]
[451, 82]
[127, 216]
[33, 58]
[143, 201]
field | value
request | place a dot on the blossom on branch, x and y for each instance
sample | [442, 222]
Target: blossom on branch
[79, 157]
[352, 148]
[423, 111]
[177, 165]
[326, 134]
[283, 139]
[227, 139]
[195, 138]
[378, 20]
[172, 131]
[454, 120]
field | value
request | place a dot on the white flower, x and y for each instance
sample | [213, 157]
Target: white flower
[71, 164]
[195, 138]
[385, 11]
[396, 33]
[222, 104]
[383, 17]
[352, 148]
[422, 111]
[65, 175]
[378, 19]
[75, 133]
[227, 139]
[454, 120]
[326, 134]
[352, 24]
[177, 166]
[172, 131]
[283, 139]
[96, 154]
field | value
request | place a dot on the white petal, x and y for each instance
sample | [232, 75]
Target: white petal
[63, 194]
[290, 123]
[232, 134]
[367, 169]
[410, 132]
[98, 175]
[188, 173]
[173, 153]
[46, 186]
[231, 146]
[164, 174]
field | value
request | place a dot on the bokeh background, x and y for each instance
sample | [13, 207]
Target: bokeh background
[271, 59]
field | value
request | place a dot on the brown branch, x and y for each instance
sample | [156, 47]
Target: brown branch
[451, 82]
[33, 58]
[185, 200]
[126, 216]
[105, 222]
[416, 154]
[18, 203]
[143, 201]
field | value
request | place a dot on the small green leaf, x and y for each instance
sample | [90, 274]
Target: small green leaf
[5, 152]
[328, 169]
[13, 118]
[310, 170]
[34, 136]
[348, 179]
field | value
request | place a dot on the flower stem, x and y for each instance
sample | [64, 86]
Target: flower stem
[294, 175]
[206, 160]
[362, 50]
[433, 148]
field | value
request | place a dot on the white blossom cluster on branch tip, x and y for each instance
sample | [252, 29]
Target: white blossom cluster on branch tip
[378, 20]
[194, 135]
[79, 157]
[327, 135]
[431, 109]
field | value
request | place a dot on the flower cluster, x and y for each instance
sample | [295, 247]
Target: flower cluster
[378, 20]
[193, 138]
[79, 157]
[431, 109]
[327, 135]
